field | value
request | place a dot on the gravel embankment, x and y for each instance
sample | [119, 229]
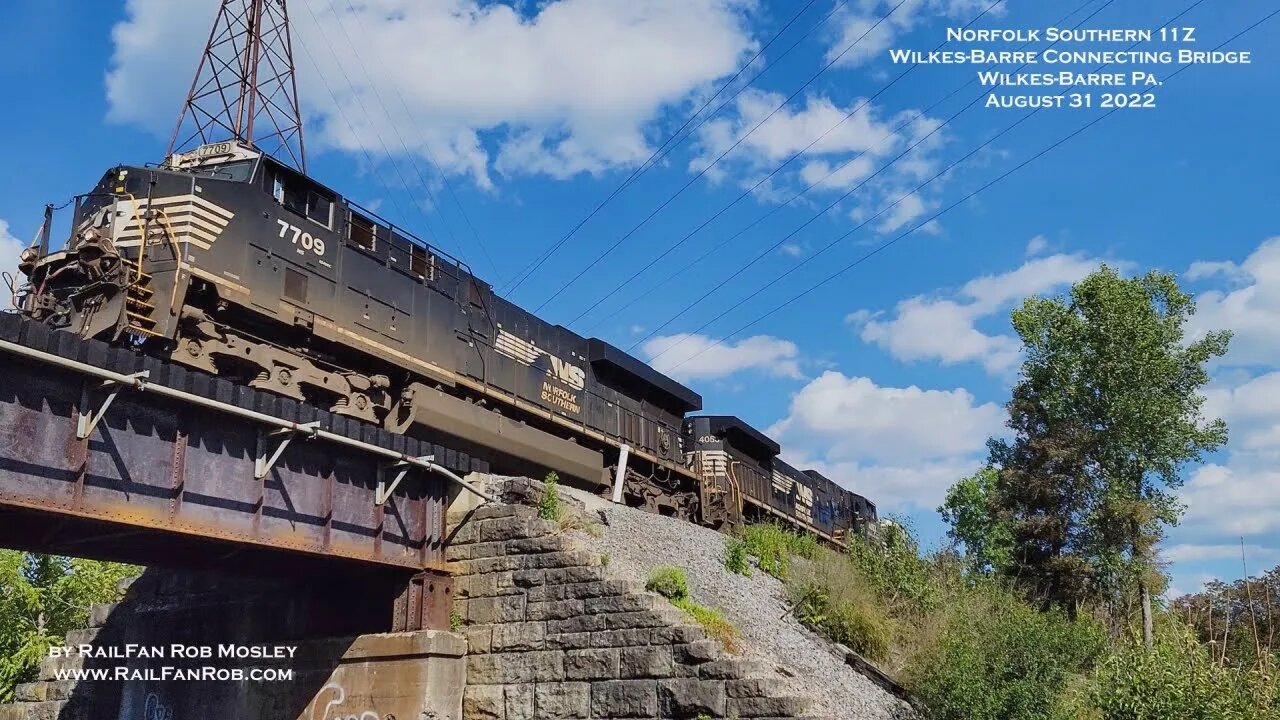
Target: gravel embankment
[636, 542]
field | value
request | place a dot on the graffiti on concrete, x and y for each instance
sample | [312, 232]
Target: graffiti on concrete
[339, 695]
[153, 709]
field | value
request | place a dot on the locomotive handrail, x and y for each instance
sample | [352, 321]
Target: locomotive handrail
[140, 384]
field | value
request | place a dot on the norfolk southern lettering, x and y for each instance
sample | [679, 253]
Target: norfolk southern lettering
[1049, 34]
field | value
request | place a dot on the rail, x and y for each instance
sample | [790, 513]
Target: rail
[286, 427]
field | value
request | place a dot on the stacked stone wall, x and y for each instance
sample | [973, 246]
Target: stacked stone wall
[550, 635]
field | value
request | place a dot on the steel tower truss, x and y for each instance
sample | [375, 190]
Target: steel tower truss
[245, 87]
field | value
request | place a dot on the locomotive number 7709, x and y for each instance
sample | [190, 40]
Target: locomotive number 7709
[304, 240]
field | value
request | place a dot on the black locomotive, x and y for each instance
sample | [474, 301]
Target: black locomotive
[230, 262]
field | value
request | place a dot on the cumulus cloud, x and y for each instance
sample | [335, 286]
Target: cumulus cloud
[1238, 498]
[1186, 553]
[1251, 310]
[847, 157]
[902, 446]
[567, 87]
[10, 247]
[945, 328]
[686, 356]
[861, 39]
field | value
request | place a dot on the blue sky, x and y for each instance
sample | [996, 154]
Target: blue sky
[891, 376]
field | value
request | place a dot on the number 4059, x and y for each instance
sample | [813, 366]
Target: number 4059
[303, 239]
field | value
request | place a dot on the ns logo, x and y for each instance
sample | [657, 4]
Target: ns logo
[570, 375]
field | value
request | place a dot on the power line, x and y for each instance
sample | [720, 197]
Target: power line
[381, 141]
[657, 155]
[834, 204]
[722, 156]
[617, 287]
[880, 248]
[444, 178]
[342, 113]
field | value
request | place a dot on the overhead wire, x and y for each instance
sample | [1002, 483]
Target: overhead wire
[444, 177]
[889, 243]
[369, 118]
[861, 184]
[736, 143]
[659, 153]
[617, 287]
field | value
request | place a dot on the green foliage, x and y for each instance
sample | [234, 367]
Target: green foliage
[712, 621]
[456, 621]
[669, 582]
[995, 658]
[969, 511]
[839, 609]
[735, 557]
[773, 545]
[41, 598]
[1179, 681]
[891, 564]
[549, 503]
[604, 560]
[1106, 413]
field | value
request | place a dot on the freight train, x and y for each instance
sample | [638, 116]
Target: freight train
[227, 260]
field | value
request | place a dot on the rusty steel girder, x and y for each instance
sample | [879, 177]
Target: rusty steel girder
[168, 474]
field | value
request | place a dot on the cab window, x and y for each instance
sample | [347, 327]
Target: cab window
[299, 195]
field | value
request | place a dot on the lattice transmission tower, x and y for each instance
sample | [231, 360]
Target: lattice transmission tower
[245, 87]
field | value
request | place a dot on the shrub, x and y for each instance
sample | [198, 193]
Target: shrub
[669, 582]
[773, 545]
[735, 557]
[891, 563]
[859, 625]
[996, 658]
[1178, 680]
[549, 504]
[832, 598]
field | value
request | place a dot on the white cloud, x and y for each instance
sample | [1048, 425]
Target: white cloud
[899, 446]
[686, 356]
[1187, 553]
[846, 157]
[1251, 312]
[1240, 498]
[858, 22]
[1250, 410]
[10, 247]
[944, 329]
[1037, 245]
[568, 87]
[793, 249]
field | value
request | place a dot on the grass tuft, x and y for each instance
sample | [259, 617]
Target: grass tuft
[735, 557]
[773, 545]
[669, 582]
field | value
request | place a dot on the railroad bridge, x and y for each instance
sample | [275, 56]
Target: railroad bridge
[316, 525]
[108, 453]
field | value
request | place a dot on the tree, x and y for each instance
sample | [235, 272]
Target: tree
[41, 598]
[1105, 414]
[968, 510]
